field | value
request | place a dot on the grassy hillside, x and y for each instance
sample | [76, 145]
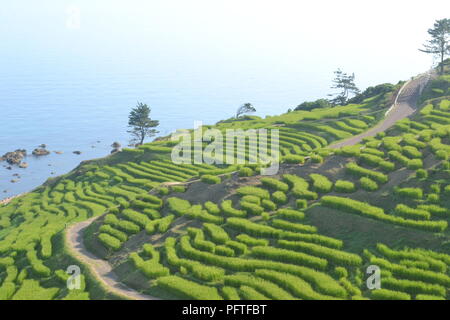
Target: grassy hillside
[223, 232]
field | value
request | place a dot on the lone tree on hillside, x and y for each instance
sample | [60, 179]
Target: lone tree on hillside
[346, 83]
[245, 108]
[141, 124]
[439, 45]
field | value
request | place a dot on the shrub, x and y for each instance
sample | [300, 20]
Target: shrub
[344, 186]
[279, 197]
[370, 159]
[274, 184]
[267, 288]
[442, 155]
[136, 217]
[368, 184]
[252, 228]
[251, 199]
[210, 179]
[433, 197]
[224, 251]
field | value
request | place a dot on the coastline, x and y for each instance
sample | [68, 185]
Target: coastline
[5, 201]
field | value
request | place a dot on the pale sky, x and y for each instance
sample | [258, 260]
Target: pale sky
[378, 40]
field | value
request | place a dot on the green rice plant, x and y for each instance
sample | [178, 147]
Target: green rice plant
[274, 184]
[384, 294]
[344, 186]
[411, 193]
[178, 188]
[370, 159]
[350, 151]
[289, 256]
[127, 226]
[230, 293]
[279, 197]
[414, 164]
[368, 184]
[106, 228]
[183, 288]
[31, 290]
[421, 174]
[336, 256]
[413, 287]
[250, 241]
[178, 206]
[227, 208]
[315, 158]
[408, 212]
[251, 199]
[387, 166]
[216, 233]
[301, 203]
[290, 214]
[237, 246]
[109, 241]
[246, 172]
[251, 208]
[268, 205]
[224, 251]
[321, 183]
[428, 297]
[267, 288]
[299, 187]
[293, 159]
[294, 227]
[252, 228]
[212, 208]
[136, 217]
[355, 169]
[248, 293]
[253, 191]
[210, 179]
[296, 285]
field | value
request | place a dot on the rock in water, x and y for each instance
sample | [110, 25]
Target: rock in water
[14, 157]
[77, 152]
[23, 165]
[40, 152]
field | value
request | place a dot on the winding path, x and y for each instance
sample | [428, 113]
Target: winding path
[100, 268]
[405, 104]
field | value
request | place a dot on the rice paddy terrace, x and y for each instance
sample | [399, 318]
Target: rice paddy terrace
[202, 231]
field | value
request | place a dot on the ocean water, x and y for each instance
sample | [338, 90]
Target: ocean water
[72, 70]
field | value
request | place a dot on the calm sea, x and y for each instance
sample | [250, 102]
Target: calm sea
[72, 70]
